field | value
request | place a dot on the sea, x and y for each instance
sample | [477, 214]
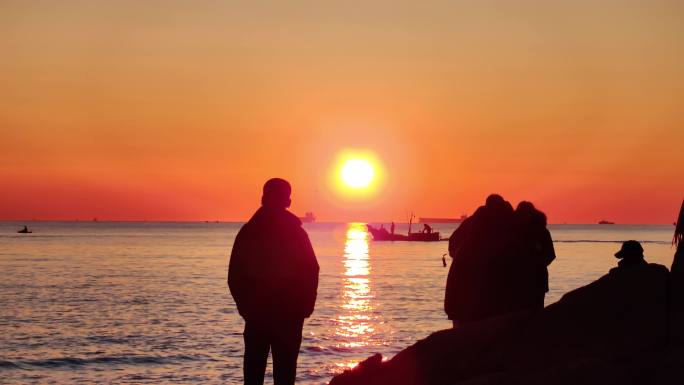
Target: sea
[147, 302]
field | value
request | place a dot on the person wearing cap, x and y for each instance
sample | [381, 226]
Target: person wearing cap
[273, 277]
[630, 254]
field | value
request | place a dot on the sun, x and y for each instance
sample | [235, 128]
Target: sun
[357, 173]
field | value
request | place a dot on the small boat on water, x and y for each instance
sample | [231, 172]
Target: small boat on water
[25, 230]
[605, 222]
[308, 218]
[381, 234]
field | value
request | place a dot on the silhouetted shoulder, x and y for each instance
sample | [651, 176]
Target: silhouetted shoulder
[646, 268]
[678, 261]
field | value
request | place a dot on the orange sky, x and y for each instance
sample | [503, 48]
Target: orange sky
[177, 110]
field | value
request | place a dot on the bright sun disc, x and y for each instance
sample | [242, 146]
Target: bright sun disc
[357, 173]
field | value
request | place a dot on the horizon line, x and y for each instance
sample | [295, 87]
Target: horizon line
[317, 221]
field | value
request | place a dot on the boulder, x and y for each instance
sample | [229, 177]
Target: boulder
[614, 330]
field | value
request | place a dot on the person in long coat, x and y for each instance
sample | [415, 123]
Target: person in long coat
[273, 277]
[477, 247]
[527, 270]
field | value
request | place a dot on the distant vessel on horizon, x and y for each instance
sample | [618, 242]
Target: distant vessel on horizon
[442, 220]
[308, 217]
[605, 222]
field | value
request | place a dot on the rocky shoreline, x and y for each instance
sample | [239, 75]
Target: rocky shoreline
[624, 328]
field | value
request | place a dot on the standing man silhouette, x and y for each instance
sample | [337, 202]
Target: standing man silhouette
[273, 277]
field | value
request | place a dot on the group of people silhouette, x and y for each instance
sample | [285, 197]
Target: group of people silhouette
[500, 259]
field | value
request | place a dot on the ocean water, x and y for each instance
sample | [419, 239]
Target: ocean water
[84, 302]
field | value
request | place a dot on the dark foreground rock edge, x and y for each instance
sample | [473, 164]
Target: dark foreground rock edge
[624, 328]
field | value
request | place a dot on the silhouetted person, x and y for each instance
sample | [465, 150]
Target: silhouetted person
[677, 241]
[678, 260]
[392, 228]
[631, 254]
[273, 277]
[426, 228]
[478, 247]
[677, 282]
[528, 276]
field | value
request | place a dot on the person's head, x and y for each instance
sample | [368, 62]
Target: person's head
[630, 250]
[524, 212]
[496, 203]
[494, 200]
[527, 213]
[276, 194]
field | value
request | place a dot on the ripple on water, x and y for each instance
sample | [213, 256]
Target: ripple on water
[70, 362]
[103, 304]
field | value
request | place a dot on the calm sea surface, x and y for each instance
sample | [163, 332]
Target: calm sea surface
[148, 302]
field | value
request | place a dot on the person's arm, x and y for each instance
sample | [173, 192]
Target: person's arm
[236, 273]
[310, 274]
[458, 236]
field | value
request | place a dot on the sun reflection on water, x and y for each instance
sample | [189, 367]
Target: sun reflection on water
[354, 324]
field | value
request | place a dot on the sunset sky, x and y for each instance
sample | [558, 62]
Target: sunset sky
[180, 110]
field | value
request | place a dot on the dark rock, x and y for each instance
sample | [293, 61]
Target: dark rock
[612, 331]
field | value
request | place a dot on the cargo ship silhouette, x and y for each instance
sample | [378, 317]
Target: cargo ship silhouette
[442, 220]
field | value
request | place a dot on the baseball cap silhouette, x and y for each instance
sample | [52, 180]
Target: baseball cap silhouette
[630, 249]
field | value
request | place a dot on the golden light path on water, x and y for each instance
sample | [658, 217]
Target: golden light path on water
[354, 323]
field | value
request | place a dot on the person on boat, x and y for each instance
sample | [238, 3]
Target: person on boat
[478, 247]
[383, 231]
[25, 229]
[527, 272]
[427, 229]
[392, 228]
[273, 277]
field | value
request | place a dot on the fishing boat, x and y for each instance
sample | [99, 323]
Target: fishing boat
[308, 218]
[25, 230]
[381, 234]
[604, 222]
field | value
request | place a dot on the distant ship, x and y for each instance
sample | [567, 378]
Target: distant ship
[604, 222]
[442, 220]
[308, 217]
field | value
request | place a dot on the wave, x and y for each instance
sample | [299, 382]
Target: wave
[8, 365]
[61, 362]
